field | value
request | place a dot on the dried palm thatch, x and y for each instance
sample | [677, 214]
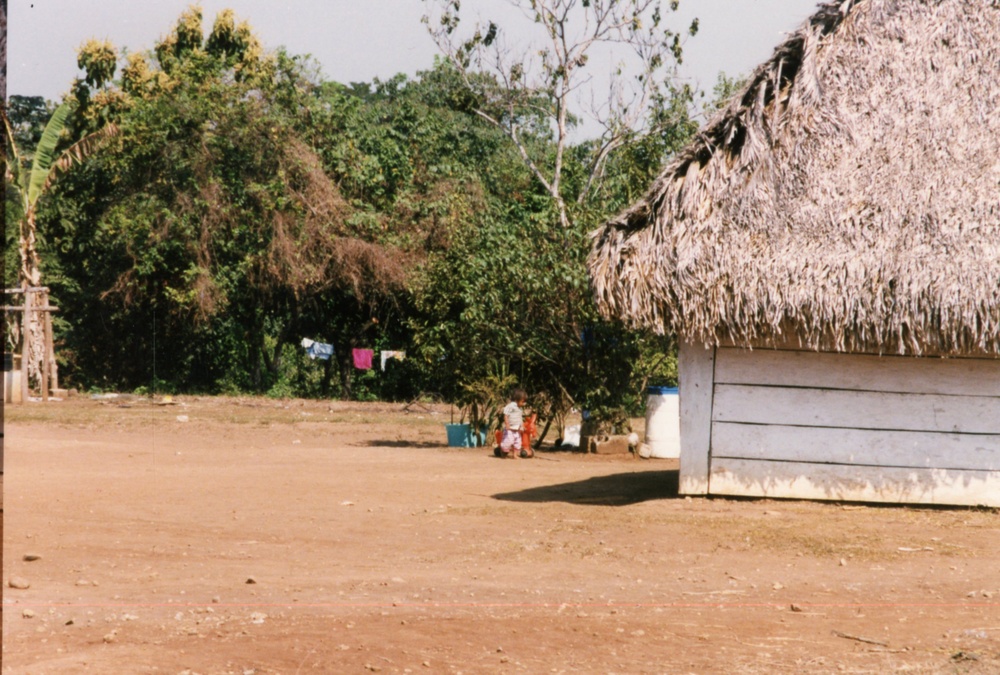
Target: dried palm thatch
[849, 196]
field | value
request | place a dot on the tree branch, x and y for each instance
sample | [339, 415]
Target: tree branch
[572, 30]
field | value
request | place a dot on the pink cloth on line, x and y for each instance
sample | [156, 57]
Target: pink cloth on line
[363, 358]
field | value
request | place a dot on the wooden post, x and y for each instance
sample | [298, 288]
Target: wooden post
[43, 319]
[696, 368]
[50, 347]
[25, 345]
[34, 336]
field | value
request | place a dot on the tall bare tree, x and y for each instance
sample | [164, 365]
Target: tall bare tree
[550, 79]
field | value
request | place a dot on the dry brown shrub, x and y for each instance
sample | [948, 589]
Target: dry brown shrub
[309, 245]
[312, 249]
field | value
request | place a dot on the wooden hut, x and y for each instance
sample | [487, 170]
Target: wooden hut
[828, 252]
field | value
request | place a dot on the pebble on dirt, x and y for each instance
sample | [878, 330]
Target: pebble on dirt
[31, 557]
[28, 614]
[18, 582]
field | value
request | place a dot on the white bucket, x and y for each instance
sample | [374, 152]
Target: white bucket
[12, 386]
[663, 422]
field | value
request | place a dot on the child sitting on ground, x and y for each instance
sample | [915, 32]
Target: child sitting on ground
[513, 424]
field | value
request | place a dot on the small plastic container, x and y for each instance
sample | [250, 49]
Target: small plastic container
[461, 436]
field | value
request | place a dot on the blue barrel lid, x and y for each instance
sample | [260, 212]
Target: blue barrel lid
[661, 391]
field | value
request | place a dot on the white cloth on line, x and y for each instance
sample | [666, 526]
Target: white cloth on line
[387, 354]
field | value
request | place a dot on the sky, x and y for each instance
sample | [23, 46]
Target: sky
[353, 40]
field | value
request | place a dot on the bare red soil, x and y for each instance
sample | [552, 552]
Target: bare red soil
[313, 537]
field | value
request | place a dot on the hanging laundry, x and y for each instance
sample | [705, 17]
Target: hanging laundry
[386, 355]
[363, 358]
[317, 350]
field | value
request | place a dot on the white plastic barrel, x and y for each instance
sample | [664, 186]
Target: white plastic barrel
[12, 386]
[663, 422]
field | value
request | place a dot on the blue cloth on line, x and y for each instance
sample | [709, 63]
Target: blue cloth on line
[317, 350]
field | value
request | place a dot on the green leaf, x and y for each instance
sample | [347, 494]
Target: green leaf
[46, 150]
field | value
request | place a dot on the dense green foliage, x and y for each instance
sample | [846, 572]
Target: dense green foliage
[247, 204]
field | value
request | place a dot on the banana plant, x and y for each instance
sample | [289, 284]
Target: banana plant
[31, 183]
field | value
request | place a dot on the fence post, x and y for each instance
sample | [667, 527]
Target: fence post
[45, 326]
[25, 345]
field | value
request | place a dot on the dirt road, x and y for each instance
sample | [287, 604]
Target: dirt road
[253, 536]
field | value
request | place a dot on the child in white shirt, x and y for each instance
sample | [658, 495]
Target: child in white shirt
[513, 424]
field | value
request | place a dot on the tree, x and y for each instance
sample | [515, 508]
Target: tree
[212, 229]
[247, 204]
[509, 297]
[516, 297]
[527, 91]
[31, 183]
[725, 88]
[416, 168]
[27, 116]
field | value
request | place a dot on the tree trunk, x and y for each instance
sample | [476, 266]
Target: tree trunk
[327, 376]
[346, 372]
[30, 269]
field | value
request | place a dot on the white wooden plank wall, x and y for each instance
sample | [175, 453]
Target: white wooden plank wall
[856, 446]
[856, 409]
[840, 426]
[696, 365]
[961, 376]
[854, 483]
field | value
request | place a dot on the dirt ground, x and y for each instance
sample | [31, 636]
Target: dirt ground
[251, 536]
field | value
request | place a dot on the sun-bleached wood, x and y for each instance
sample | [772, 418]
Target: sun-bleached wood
[47, 350]
[788, 423]
[854, 483]
[856, 409]
[29, 304]
[696, 367]
[823, 370]
[824, 445]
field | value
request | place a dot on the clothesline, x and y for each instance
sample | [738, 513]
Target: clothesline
[361, 357]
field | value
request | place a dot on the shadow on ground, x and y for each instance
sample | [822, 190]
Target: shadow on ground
[618, 489]
[402, 444]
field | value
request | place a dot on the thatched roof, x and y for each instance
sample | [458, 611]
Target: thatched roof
[850, 194]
